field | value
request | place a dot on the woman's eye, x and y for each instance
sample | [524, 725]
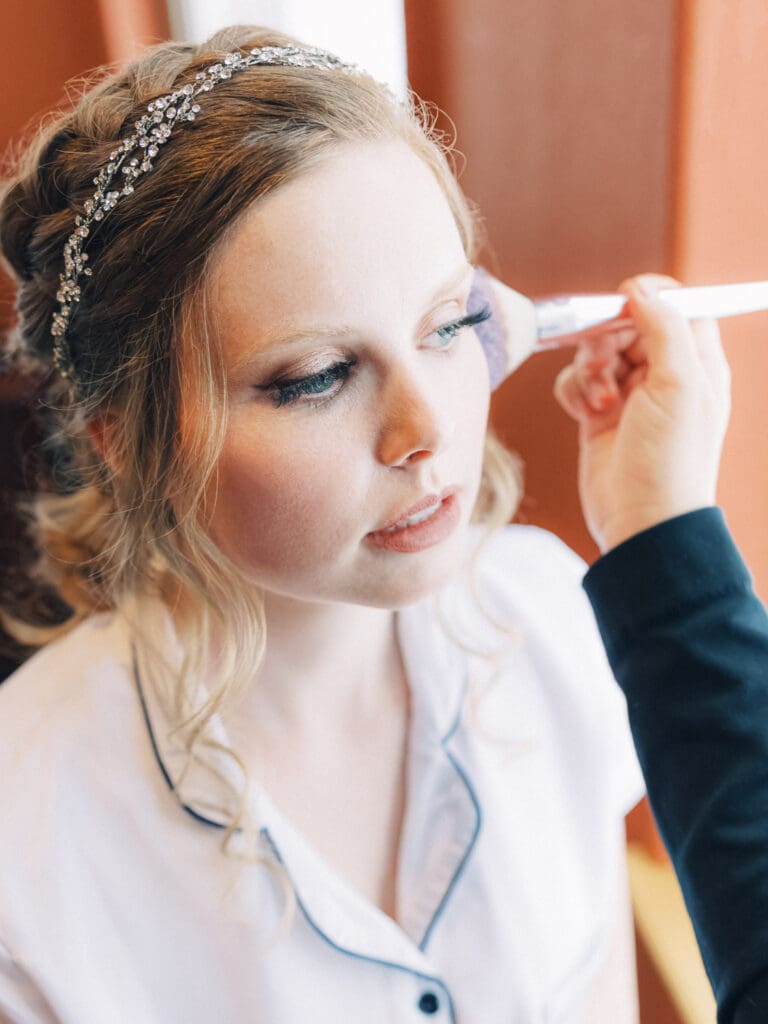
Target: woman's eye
[448, 332]
[325, 383]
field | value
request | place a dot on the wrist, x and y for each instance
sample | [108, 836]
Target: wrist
[633, 521]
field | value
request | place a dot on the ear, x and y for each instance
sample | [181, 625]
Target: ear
[101, 430]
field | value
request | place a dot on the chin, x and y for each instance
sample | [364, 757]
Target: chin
[416, 576]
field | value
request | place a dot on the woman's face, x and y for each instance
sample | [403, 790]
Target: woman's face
[353, 398]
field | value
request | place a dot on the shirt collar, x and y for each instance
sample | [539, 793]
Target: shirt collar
[442, 819]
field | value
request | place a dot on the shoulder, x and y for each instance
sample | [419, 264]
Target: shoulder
[530, 580]
[87, 666]
[65, 710]
[523, 601]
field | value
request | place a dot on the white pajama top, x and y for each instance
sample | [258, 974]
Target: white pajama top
[118, 906]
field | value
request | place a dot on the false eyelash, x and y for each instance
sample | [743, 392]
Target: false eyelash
[286, 391]
[290, 390]
[470, 320]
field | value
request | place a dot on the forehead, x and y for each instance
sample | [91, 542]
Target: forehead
[367, 228]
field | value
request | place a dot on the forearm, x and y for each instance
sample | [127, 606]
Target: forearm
[688, 642]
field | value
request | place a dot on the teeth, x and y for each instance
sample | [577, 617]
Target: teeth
[419, 517]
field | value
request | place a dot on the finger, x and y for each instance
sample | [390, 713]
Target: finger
[704, 332]
[602, 344]
[707, 336]
[583, 392]
[569, 394]
[633, 380]
[671, 347]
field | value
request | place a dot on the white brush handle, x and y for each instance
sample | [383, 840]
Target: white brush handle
[535, 325]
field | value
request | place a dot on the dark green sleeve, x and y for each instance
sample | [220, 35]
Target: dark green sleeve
[688, 642]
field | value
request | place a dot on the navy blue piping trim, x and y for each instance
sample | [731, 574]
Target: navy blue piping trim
[470, 846]
[156, 752]
[265, 833]
[350, 953]
[316, 928]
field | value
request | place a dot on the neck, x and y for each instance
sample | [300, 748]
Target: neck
[326, 660]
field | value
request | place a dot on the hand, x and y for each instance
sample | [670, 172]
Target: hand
[652, 402]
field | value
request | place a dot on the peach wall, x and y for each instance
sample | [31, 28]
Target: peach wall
[602, 139]
[563, 112]
[721, 228]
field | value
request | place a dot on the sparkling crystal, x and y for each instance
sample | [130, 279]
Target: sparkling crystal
[151, 131]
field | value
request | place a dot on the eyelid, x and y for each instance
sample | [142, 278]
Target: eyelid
[322, 362]
[296, 374]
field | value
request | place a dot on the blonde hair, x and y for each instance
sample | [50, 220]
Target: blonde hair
[112, 535]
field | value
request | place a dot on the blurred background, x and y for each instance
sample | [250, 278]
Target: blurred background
[600, 138]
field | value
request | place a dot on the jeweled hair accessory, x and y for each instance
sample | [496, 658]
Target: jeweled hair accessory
[134, 156]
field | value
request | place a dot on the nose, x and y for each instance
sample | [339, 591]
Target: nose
[412, 427]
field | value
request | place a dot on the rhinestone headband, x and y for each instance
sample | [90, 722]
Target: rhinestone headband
[134, 157]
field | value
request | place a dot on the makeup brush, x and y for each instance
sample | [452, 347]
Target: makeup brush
[521, 326]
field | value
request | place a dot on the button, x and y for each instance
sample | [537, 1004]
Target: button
[429, 1003]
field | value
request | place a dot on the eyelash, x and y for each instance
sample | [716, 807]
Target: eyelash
[287, 391]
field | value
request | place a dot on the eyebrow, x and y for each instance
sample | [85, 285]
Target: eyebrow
[339, 331]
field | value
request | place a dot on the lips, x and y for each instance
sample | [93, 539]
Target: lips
[428, 501]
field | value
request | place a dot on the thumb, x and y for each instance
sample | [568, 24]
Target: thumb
[666, 333]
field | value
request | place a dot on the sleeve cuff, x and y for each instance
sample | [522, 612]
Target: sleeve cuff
[662, 571]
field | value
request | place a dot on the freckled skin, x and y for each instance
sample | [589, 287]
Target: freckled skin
[365, 239]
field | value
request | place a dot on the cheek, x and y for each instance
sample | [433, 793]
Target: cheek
[474, 398]
[277, 497]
